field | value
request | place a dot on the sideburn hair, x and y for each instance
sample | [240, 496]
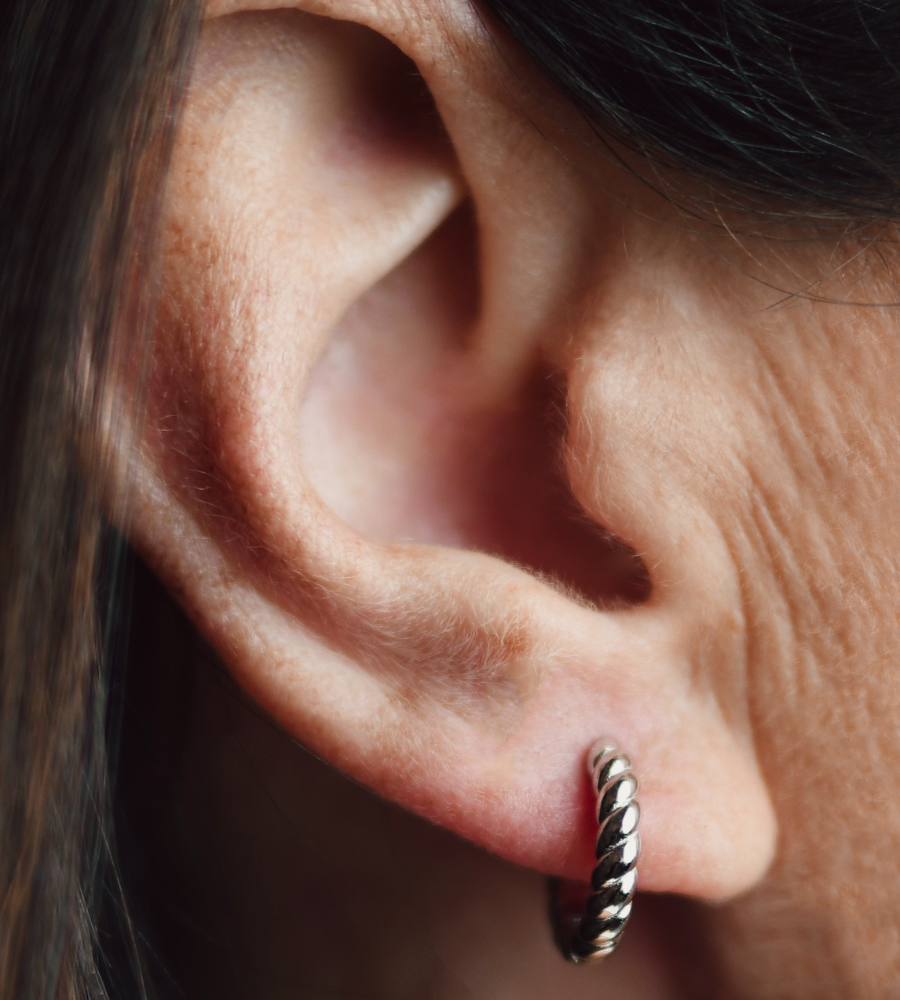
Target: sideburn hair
[796, 102]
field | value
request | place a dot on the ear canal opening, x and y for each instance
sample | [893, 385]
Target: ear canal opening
[532, 517]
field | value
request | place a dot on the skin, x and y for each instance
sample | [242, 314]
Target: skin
[467, 445]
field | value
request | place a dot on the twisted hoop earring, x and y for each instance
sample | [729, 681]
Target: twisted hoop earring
[589, 921]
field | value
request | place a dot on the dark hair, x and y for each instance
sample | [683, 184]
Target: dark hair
[797, 101]
[87, 94]
[794, 101]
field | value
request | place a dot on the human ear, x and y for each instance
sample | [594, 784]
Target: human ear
[375, 270]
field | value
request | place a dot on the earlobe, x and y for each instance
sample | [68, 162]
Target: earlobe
[334, 462]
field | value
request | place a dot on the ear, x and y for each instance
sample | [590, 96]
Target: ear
[354, 474]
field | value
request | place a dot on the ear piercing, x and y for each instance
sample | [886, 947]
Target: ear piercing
[588, 929]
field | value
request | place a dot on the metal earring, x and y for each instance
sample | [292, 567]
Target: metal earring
[589, 920]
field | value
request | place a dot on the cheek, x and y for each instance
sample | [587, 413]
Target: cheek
[752, 450]
[762, 446]
[759, 441]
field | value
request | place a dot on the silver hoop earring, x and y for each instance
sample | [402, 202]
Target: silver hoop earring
[589, 920]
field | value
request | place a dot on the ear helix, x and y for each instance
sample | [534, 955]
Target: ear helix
[588, 926]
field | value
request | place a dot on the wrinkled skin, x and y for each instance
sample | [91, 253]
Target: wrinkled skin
[468, 445]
